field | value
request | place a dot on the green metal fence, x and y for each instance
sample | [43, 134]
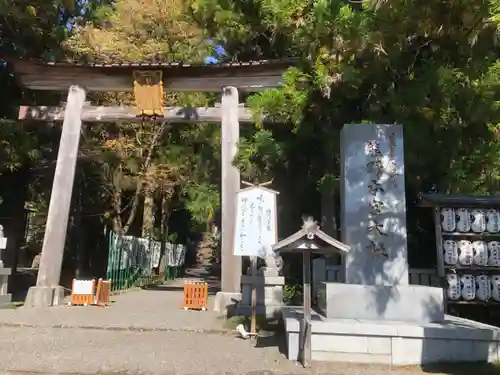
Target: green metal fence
[134, 262]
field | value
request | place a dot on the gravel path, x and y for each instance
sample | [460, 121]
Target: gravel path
[92, 351]
[155, 309]
[164, 353]
[147, 332]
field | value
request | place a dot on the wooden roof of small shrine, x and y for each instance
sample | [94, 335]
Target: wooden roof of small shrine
[177, 76]
[310, 238]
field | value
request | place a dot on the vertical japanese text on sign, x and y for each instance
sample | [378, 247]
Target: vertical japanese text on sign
[255, 222]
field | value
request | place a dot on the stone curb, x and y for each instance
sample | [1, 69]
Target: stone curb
[119, 329]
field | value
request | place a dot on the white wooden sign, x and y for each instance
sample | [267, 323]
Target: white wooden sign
[83, 287]
[255, 230]
[3, 239]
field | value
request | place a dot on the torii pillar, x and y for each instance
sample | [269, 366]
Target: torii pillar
[230, 185]
[47, 291]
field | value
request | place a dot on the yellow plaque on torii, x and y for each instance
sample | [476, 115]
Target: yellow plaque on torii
[148, 92]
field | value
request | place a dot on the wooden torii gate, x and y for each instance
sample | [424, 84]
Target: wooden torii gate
[82, 78]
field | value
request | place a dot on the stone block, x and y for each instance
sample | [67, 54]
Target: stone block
[373, 209]
[5, 299]
[269, 291]
[411, 303]
[340, 343]
[351, 357]
[460, 350]
[379, 345]
[485, 351]
[44, 296]
[406, 351]
[225, 300]
[292, 343]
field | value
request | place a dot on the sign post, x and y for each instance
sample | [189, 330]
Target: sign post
[255, 231]
[253, 322]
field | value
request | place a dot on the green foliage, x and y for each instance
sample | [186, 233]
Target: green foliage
[36, 28]
[139, 30]
[274, 101]
[16, 148]
[292, 294]
[202, 201]
[257, 155]
[430, 66]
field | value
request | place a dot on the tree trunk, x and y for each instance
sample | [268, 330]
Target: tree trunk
[116, 201]
[148, 217]
[140, 178]
[165, 215]
[14, 194]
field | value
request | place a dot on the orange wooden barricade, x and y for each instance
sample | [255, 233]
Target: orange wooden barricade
[103, 292]
[195, 295]
[82, 299]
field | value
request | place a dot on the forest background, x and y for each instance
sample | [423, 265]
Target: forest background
[431, 65]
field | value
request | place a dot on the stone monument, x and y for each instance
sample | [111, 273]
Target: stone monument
[373, 223]
[4, 272]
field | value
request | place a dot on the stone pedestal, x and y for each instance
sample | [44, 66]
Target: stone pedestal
[409, 303]
[4, 282]
[392, 343]
[269, 295]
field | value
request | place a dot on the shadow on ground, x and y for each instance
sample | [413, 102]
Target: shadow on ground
[269, 339]
[271, 332]
[469, 368]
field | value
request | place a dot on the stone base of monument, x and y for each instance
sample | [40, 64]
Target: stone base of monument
[5, 297]
[409, 303]
[269, 295]
[225, 301]
[393, 342]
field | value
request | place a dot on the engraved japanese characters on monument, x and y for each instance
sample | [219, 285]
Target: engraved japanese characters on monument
[376, 167]
[374, 207]
[375, 228]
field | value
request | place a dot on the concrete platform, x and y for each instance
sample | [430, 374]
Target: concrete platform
[394, 342]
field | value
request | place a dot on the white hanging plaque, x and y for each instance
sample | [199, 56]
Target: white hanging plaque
[255, 230]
